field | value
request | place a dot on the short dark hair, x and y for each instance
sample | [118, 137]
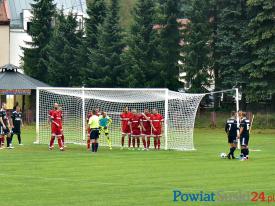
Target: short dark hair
[93, 111]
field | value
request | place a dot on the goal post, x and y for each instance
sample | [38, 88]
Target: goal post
[178, 109]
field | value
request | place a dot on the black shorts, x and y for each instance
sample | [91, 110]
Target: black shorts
[94, 134]
[232, 139]
[4, 131]
[16, 131]
[244, 140]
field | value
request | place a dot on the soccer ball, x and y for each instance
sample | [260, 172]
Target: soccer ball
[223, 155]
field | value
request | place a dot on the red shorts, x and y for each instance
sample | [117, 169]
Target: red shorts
[147, 132]
[126, 130]
[56, 130]
[136, 132]
[157, 132]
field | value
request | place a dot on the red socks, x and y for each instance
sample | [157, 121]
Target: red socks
[148, 142]
[155, 143]
[60, 144]
[63, 139]
[3, 140]
[122, 141]
[88, 143]
[51, 141]
[134, 142]
[129, 142]
[138, 142]
[158, 143]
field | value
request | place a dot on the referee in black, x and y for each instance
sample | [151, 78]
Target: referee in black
[16, 124]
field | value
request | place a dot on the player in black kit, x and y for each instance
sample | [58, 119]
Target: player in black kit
[231, 129]
[4, 126]
[16, 124]
[244, 135]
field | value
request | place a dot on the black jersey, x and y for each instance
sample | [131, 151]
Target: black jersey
[4, 116]
[16, 119]
[231, 127]
[245, 124]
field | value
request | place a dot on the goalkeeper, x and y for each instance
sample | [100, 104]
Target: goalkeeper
[104, 123]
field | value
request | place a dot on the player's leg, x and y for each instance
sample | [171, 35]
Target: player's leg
[138, 141]
[158, 141]
[148, 142]
[106, 131]
[63, 138]
[155, 142]
[122, 139]
[232, 147]
[129, 140]
[144, 141]
[96, 140]
[134, 141]
[19, 138]
[59, 139]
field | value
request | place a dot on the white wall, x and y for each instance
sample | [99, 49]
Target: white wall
[17, 40]
[4, 44]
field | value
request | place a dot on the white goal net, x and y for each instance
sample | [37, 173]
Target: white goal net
[178, 109]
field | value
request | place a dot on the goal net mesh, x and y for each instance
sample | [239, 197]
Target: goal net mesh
[178, 109]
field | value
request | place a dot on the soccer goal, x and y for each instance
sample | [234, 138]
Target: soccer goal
[178, 109]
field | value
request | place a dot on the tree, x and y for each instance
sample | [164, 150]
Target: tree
[106, 59]
[139, 56]
[229, 48]
[62, 67]
[35, 57]
[167, 62]
[96, 11]
[261, 43]
[196, 49]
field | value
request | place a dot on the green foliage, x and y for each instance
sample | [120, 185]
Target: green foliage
[97, 11]
[196, 49]
[229, 50]
[261, 43]
[105, 60]
[168, 46]
[139, 57]
[35, 55]
[62, 63]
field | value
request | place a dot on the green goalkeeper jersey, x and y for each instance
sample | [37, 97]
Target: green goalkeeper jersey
[104, 121]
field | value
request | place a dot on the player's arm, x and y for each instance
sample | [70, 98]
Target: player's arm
[2, 122]
[142, 126]
[226, 127]
[12, 119]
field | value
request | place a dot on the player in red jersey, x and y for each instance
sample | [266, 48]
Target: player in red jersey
[157, 121]
[56, 125]
[146, 128]
[62, 131]
[125, 127]
[135, 128]
[97, 110]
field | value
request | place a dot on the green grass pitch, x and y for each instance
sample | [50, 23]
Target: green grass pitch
[32, 176]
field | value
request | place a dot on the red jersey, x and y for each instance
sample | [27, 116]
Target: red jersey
[157, 120]
[125, 117]
[135, 122]
[146, 123]
[56, 116]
